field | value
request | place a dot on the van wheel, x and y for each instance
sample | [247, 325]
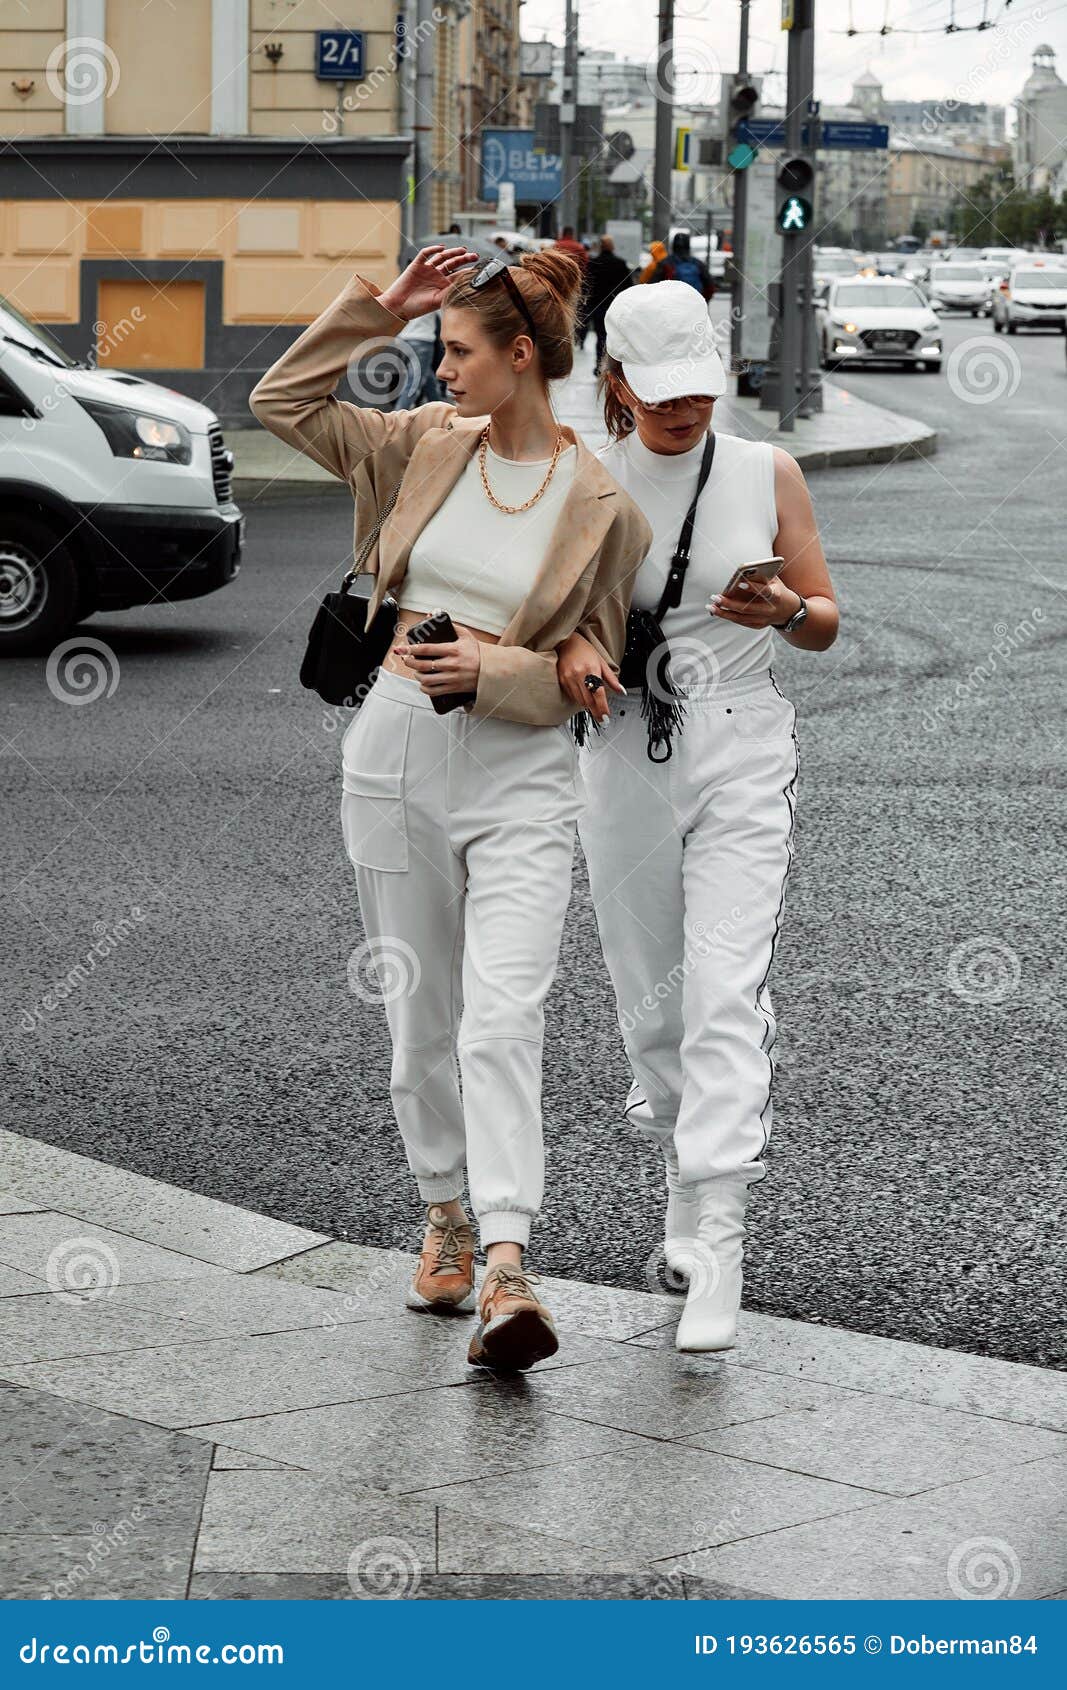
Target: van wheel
[38, 585]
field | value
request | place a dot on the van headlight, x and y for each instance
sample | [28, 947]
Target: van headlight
[137, 434]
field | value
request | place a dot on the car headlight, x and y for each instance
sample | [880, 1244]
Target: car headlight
[137, 434]
[847, 328]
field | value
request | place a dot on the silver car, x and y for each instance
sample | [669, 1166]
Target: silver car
[877, 321]
[1033, 296]
[959, 287]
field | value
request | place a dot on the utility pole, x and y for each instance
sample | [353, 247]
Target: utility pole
[790, 382]
[664, 92]
[740, 205]
[568, 107]
[425, 38]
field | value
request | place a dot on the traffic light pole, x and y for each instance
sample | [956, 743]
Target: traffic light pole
[664, 91]
[568, 110]
[790, 382]
[740, 209]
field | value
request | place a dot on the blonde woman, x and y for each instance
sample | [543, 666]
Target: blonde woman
[461, 825]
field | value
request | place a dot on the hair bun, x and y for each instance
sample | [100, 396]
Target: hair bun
[558, 271]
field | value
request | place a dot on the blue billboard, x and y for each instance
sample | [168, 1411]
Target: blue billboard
[508, 156]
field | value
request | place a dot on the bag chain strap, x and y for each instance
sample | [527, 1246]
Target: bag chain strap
[370, 542]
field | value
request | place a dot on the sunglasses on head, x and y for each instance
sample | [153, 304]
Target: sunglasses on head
[500, 267]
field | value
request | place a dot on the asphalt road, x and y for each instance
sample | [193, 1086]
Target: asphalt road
[916, 1184]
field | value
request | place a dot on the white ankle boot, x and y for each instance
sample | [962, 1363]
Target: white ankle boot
[683, 1214]
[709, 1319]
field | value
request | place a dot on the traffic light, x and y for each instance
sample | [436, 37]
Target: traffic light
[795, 210]
[740, 98]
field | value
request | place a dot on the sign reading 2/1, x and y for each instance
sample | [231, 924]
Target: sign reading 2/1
[339, 55]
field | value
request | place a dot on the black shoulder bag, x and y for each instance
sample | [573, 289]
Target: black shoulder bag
[647, 655]
[342, 653]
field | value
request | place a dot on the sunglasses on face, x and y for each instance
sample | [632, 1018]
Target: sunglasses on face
[501, 267]
[664, 407]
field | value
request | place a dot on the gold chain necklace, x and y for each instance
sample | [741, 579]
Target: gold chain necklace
[513, 510]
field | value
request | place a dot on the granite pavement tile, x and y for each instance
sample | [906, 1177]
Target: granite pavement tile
[219, 1379]
[385, 1443]
[16, 1284]
[288, 1521]
[1002, 1535]
[144, 1208]
[668, 1396]
[12, 1205]
[94, 1568]
[75, 1471]
[437, 1587]
[433, 1348]
[70, 1254]
[468, 1544]
[48, 1327]
[884, 1444]
[653, 1501]
[241, 1305]
[891, 1367]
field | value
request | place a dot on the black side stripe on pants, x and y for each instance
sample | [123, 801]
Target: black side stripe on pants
[789, 794]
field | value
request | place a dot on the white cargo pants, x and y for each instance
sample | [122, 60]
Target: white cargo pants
[687, 865]
[461, 829]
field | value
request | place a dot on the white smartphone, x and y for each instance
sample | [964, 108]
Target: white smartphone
[765, 570]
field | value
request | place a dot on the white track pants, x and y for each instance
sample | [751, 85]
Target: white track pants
[462, 833]
[687, 863]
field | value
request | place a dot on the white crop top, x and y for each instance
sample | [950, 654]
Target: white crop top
[479, 563]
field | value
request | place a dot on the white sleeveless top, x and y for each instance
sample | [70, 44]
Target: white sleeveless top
[479, 563]
[736, 523]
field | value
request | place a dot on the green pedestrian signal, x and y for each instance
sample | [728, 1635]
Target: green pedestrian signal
[796, 177]
[794, 215]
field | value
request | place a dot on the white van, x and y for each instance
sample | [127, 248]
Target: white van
[113, 491]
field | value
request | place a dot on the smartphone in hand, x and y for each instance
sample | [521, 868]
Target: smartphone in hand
[757, 574]
[439, 629]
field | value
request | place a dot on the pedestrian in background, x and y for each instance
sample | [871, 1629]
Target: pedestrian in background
[578, 251]
[421, 340]
[689, 844]
[605, 278]
[657, 258]
[680, 266]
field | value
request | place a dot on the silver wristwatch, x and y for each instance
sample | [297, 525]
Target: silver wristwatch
[799, 615]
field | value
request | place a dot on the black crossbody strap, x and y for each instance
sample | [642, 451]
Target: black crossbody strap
[672, 592]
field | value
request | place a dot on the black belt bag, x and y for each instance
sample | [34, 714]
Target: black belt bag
[646, 658]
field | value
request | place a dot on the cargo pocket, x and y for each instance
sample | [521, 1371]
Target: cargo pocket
[373, 755]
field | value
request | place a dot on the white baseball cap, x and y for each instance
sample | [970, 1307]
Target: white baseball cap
[661, 334]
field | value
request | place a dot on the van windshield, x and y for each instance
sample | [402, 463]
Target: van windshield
[18, 328]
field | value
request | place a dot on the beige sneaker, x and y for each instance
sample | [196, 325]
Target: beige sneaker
[515, 1329]
[444, 1278]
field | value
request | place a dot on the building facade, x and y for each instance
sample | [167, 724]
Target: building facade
[1040, 146]
[488, 91]
[186, 173]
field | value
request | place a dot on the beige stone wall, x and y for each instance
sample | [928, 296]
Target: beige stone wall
[160, 78]
[286, 99]
[284, 260]
[28, 34]
[159, 81]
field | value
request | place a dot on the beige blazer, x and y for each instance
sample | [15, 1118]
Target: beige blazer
[585, 580]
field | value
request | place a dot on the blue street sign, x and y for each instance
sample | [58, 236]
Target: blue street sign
[339, 55]
[508, 156]
[761, 132]
[770, 132]
[836, 134]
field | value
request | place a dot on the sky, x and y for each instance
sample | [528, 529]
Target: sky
[988, 66]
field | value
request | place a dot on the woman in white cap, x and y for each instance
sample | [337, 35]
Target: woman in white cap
[691, 776]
